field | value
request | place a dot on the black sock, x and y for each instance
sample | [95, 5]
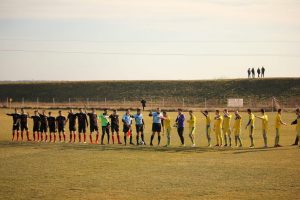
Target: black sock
[131, 139]
[142, 135]
[137, 140]
[125, 137]
[108, 138]
[152, 136]
[102, 137]
[158, 139]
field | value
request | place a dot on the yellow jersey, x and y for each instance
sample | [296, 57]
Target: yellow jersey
[237, 123]
[265, 122]
[192, 121]
[278, 121]
[167, 123]
[218, 123]
[208, 120]
[226, 121]
[252, 118]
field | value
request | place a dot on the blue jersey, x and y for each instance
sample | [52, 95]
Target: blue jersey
[127, 119]
[138, 119]
[156, 117]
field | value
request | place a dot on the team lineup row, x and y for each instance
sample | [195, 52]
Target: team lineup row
[44, 124]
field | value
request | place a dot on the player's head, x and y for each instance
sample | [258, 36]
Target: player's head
[71, 110]
[49, 113]
[105, 111]
[217, 112]
[22, 110]
[191, 112]
[206, 112]
[279, 111]
[16, 110]
[249, 111]
[138, 111]
[114, 111]
[80, 110]
[59, 112]
[93, 110]
[262, 111]
[158, 110]
[164, 113]
[225, 110]
[236, 112]
[127, 111]
[35, 112]
[44, 112]
[297, 111]
[179, 111]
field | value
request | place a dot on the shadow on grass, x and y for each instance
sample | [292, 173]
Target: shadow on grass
[132, 148]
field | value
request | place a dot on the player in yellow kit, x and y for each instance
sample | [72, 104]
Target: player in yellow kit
[226, 127]
[207, 127]
[167, 127]
[192, 127]
[250, 124]
[218, 128]
[297, 123]
[278, 123]
[264, 126]
[237, 129]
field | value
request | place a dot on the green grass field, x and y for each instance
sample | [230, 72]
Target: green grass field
[83, 171]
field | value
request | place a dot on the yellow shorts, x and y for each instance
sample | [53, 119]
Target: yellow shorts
[227, 131]
[237, 132]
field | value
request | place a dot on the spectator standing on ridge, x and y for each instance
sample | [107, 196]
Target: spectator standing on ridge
[253, 73]
[263, 72]
[258, 72]
[249, 72]
[143, 102]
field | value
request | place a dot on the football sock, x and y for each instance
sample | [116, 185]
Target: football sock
[113, 139]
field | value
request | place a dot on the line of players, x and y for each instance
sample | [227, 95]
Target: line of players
[44, 124]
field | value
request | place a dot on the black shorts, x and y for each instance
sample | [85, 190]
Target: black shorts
[36, 129]
[72, 128]
[94, 128]
[81, 129]
[43, 129]
[16, 128]
[52, 129]
[115, 128]
[24, 127]
[105, 129]
[156, 127]
[139, 128]
[61, 129]
[126, 128]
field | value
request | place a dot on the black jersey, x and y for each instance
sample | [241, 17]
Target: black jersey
[43, 120]
[82, 119]
[72, 119]
[114, 120]
[61, 120]
[36, 120]
[51, 121]
[93, 119]
[23, 118]
[16, 118]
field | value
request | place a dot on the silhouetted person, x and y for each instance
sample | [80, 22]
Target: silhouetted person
[263, 72]
[249, 72]
[143, 102]
[253, 73]
[258, 72]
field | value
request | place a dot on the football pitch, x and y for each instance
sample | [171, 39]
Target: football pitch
[82, 171]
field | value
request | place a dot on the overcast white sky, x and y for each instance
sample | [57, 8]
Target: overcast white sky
[139, 39]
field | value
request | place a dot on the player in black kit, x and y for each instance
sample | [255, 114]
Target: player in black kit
[44, 126]
[115, 127]
[24, 124]
[61, 122]
[16, 124]
[93, 125]
[52, 126]
[36, 126]
[82, 124]
[72, 125]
